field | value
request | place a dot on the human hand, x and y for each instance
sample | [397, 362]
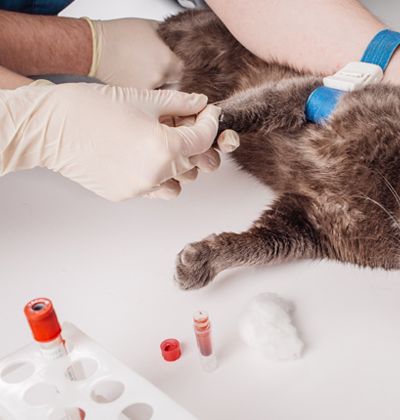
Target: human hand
[109, 139]
[129, 52]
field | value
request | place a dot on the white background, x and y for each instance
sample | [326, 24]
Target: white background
[109, 267]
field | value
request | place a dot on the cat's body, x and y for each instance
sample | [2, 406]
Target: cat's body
[337, 183]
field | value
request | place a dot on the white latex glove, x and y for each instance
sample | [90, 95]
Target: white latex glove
[108, 139]
[129, 52]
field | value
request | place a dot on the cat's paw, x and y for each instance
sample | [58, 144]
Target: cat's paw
[194, 265]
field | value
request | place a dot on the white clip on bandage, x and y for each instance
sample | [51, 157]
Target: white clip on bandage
[354, 76]
[323, 100]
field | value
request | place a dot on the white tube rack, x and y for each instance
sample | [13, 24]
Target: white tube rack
[32, 388]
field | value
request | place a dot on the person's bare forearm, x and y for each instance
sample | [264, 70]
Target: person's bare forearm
[320, 36]
[33, 45]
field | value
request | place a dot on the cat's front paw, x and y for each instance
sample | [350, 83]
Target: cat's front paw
[194, 265]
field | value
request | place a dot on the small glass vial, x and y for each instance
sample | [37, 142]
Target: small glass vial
[202, 330]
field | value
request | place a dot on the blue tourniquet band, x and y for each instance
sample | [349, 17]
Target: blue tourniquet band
[382, 47]
[321, 103]
[323, 100]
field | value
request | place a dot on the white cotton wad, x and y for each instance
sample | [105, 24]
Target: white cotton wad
[267, 327]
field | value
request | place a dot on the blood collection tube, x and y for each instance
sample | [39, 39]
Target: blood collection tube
[45, 328]
[202, 330]
[46, 331]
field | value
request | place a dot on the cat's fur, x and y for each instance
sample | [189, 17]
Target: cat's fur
[338, 184]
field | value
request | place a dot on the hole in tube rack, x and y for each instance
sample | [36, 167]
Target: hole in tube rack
[137, 411]
[107, 391]
[81, 369]
[69, 413]
[41, 394]
[17, 372]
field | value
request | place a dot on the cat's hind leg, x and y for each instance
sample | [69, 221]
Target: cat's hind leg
[282, 233]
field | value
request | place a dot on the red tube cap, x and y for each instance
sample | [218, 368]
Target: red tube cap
[42, 319]
[170, 349]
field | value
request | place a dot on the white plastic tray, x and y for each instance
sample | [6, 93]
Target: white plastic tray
[32, 388]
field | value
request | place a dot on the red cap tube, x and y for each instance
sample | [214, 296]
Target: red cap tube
[42, 319]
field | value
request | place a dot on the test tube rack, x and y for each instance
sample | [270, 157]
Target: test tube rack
[32, 388]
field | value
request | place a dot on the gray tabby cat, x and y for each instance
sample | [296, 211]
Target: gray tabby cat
[338, 184]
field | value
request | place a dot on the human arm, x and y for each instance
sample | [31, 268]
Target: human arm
[33, 44]
[319, 36]
[47, 125]
[108, 139]
[123, 52]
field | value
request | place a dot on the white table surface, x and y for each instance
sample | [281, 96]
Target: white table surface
[108, 268]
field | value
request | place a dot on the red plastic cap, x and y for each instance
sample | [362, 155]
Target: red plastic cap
[170, 349]
[42, 320]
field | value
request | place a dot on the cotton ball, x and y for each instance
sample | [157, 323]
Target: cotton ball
[266, 326]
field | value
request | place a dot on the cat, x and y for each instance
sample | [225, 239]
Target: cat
[337, 184]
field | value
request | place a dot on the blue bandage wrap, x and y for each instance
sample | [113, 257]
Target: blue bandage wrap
[323, 100]
[381, 49]
[321, 103]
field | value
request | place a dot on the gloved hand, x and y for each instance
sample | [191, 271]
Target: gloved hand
[129, 52]
[109, 139]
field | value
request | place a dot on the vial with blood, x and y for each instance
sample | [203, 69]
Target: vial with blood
[202, 330]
